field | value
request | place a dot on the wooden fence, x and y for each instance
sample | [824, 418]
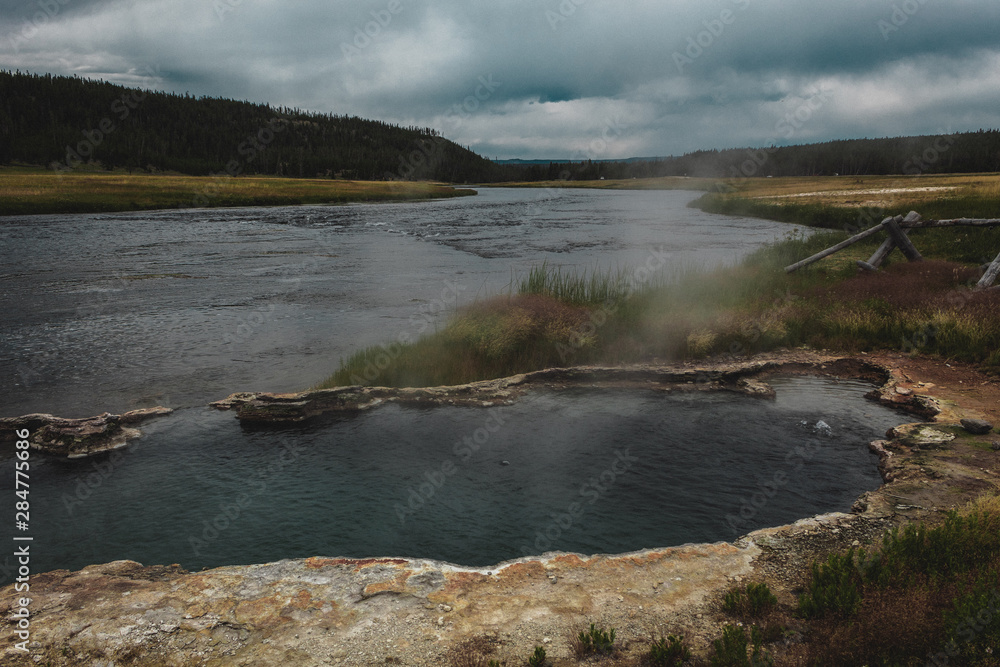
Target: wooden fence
[897, 237]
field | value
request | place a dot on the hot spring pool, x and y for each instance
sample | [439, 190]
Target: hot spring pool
[580, 471]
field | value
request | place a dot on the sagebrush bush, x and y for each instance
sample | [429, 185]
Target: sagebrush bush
[595, 640]
[736, 649]
[669, 651]
[833, 589]
[751, 601]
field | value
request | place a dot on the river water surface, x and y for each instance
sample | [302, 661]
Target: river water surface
[113, 312]
[125, 310]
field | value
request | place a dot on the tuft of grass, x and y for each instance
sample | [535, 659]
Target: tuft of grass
[474, 652]
[495, 338]
[972, 625]
[597, 288]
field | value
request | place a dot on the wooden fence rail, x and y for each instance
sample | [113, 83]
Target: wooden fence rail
[897, 228]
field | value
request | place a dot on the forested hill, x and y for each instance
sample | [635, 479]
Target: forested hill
[62, 122]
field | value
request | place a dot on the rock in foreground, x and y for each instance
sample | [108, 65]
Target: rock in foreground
[77, 438]
[977, 426]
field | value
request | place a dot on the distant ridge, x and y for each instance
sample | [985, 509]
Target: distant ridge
[519, 161]
[962, 152]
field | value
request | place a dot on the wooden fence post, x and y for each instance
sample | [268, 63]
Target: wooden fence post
[840, 246]
[902, 240]
[990, 275]
[879, 255]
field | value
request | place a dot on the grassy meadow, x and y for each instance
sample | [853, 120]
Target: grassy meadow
[551, 318]
[26, 191]
[843, 202]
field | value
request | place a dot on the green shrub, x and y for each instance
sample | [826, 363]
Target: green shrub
[736, 649]
[669, 652]
[833, 588]
[753, 601]
[538, 659]
[973, 623]
[596, 640]
[960, 544]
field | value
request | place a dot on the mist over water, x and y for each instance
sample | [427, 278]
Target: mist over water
[178, 308]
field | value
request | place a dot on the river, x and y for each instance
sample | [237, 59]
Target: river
[181, 307]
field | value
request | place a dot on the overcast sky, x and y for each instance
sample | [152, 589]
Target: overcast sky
[550, 78]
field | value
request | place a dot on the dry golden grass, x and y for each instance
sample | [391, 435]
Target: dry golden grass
[867, 191]
[27, 191]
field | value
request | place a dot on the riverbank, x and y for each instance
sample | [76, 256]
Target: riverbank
[31, 191]
[413, 612]
[659, 183]
[556, 319]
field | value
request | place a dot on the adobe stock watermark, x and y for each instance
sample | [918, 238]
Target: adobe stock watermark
[785, 128]
[100, 471]
[248, 150]
[46, 11]
[230, 512]
[431, 148]
[584, 335]
[223, 7]
[901, 14]
[917, 164]
[614, 129]
[565, 10]
[367, 34]
[795, 460]
[752, 331]
[434, 479]
[704, 40]
[420, 321]
[247, 327]
[120, 110]
[969, 630]
[590, 492]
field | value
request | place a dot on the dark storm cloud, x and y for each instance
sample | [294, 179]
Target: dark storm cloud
[551, 78]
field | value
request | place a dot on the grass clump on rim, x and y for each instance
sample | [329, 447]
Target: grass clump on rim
[595, 288]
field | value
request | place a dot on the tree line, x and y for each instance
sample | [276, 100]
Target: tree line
[64, 122]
